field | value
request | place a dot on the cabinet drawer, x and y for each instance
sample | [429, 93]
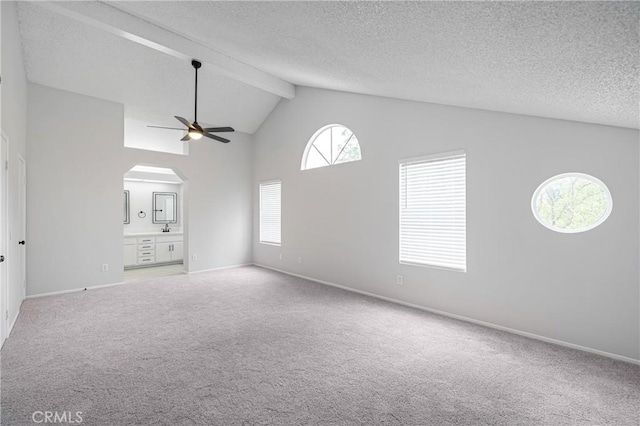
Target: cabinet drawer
[146, 240]
[169, 239]
[146, 253]
[146, 246]
[146, 259]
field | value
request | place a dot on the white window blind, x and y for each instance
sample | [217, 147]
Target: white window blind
[433, 211]
[270, 212]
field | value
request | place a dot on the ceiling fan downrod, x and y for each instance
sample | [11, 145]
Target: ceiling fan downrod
[196, 65]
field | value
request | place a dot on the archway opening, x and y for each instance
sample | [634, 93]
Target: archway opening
[153, 222]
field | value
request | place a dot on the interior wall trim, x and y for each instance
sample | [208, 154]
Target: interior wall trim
[463, 318]
[13, 322]
[73, 290]
[220, 268]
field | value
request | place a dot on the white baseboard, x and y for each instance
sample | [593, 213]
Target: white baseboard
[462, 318]
[74, 290]
[220, 268]
[13, 322]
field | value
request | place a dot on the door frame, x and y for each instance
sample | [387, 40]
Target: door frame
[22, 223]
[4, 237]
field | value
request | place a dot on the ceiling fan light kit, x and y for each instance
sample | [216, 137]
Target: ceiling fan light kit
[194, 130]
[194, 134]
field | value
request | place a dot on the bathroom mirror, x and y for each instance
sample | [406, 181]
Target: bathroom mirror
[126, 207]
[165, 207]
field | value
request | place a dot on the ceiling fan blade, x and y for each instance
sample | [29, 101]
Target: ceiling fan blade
[218, 129]
[186, 137]
[170, 128]
[184, 121]
[218, 138]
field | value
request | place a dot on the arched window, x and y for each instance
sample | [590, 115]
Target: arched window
[332, 144]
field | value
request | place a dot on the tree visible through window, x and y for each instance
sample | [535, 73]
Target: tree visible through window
[333, 144]
[571, 202]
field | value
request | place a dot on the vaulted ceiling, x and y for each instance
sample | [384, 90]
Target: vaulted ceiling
[567, 60]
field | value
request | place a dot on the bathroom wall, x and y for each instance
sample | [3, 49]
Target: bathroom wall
[141, 199]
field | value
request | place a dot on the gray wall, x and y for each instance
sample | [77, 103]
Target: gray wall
[343, 220]
[77, 160]
[13, 124]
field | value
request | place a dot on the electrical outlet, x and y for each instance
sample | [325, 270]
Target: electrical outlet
[194, 257]
[105, 267]
[299, 259]
[399, 280]
[280, 256]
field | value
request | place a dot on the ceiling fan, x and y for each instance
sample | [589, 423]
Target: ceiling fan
[194, 130]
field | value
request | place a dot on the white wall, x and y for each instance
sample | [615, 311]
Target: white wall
[74, 200]
[13, 124]
[77, 161]
[343, 220]
[217, 198]
[141, 199]
[138, 135]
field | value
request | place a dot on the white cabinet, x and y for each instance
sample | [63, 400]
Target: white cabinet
[169, 249]
[130, 252]
[163, 252]
[150, 250]
[177, 251]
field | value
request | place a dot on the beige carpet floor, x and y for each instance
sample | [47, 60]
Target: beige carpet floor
[248, 346]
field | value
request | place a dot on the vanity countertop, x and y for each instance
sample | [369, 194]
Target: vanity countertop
[154, 234]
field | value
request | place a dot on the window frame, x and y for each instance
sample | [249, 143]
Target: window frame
[260, 212]
[426, 159]
[594, 179]
[312, 140]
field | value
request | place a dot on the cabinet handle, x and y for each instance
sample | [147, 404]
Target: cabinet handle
[170, 247]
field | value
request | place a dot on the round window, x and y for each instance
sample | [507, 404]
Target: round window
[571, 202]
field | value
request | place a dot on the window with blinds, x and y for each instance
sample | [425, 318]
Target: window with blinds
[270, 212]
[433, 211]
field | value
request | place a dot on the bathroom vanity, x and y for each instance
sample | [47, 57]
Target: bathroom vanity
[153, 249]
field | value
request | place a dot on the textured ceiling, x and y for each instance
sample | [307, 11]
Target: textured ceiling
[568, 60]
[66, 54]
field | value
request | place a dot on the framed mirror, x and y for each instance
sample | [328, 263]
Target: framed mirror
[126, 207]
[165, 207]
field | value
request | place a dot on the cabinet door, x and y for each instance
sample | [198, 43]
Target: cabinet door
[162, 252]
[177, 253]
[130, 255]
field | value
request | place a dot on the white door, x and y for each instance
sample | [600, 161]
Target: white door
[163, 252]
[4, 282]
[22, 226]
[177, 251]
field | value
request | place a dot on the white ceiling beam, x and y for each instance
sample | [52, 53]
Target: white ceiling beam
[123, 24]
